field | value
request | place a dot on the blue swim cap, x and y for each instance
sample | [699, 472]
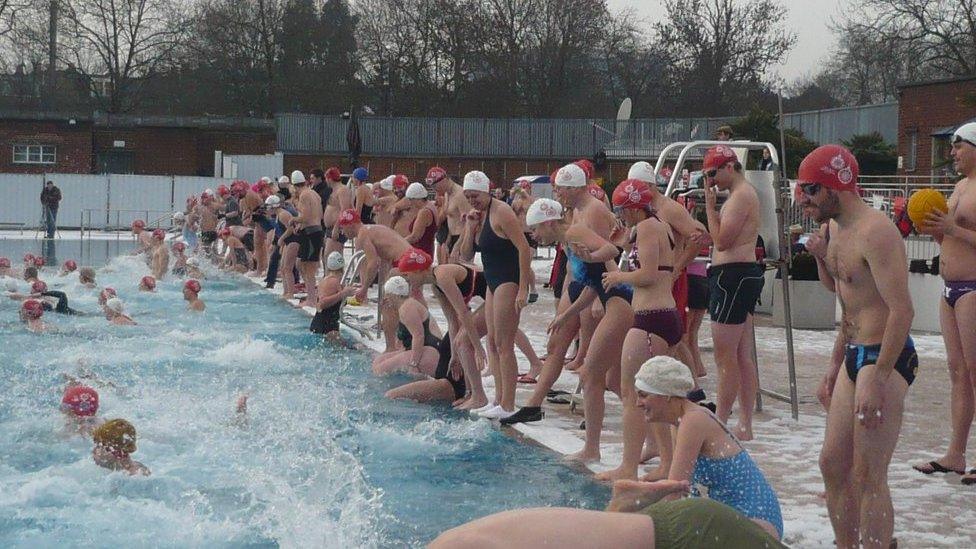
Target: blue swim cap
[360, 174]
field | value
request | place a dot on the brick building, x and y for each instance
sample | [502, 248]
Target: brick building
[928, 112]
[40, 142]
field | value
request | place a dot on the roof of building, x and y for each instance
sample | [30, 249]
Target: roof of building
[937, 81]
[949, 130]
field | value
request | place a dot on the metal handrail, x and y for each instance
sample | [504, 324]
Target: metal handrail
[86, 219]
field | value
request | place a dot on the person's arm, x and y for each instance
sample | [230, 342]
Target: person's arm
[424, 218]
[589, 246]
[512, 229]
[465, 247]
[411, 317]
[400, 205]
[331, 294]
[649, 253]
[691, 230]
[57, 195]
[688, 443]
[888, 264]
[585, 300]
[726, 227]
[817, 246]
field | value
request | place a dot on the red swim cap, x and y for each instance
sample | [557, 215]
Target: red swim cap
[400, 182]
[435, 174]
[28, 259]
[333, 174]
[223, 190]
[596, 191]
[5, 262]
[106, 293]
[414, 260]
[832, 166]
[224, 232]
[32, 309]
[80, 400]
[588, 168]
[38, 261]
[138, 224]
[70, 265]
[193, 285]
[179, 246]
[348, 217]
[148, 282]
[632, 193]
[159, 234]
[718, 156]
[38, 286]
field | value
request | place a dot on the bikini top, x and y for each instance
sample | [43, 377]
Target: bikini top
[635, 261]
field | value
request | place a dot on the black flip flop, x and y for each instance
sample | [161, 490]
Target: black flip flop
[969, 481]
[556, 393]
[938, 468]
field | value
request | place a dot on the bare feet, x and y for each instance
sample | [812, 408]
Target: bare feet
[583, 456]
[631, 495]
[614, 475]
[473, 404]
[573, 365]
[743, 432]
[535, 368]
[655, 474]
[649, 453]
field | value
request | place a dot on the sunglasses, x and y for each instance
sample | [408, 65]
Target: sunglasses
[710, 174]
[810, 189]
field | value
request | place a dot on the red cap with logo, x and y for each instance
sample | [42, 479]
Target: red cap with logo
[400, 182]
[435, 174]
[193, 285]
[414, 260]
[223, 190]
[32, 309]
[596, 191]
[5, 262]
[348, 217]
[588, 168]
[148, 282]
[80, 400]
[38, 287]
[632, 193]
[333, 174]
[718, 156]
[832, 166]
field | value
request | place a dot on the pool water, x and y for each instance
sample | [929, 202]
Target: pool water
[324, 460]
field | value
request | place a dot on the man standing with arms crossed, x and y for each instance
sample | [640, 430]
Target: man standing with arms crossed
[860, 255]
[956, 232]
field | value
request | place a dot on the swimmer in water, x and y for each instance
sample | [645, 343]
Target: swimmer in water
[5, 269]
[179, 257]
[115, 441]
[51, 300]
[331, 294]
[193, 269]
[115, 312]
[86, 277]
[79, 404]
[147, 284]
[68, 267]
[30, 313]
[106, 294]
[191, 293]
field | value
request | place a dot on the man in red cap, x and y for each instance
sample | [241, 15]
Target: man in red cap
[454, 207]
[191, 294]
[735, 281]
[143, 239]
[382, 247]
[204, 213]
[340, 199]
[160, 254]
[860, 255]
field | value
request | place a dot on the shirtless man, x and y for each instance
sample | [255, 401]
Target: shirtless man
[735, 281]
[160, 255]
[253, 215]
[383, 202]
[205, 214]
[191, 294]
[236, 257]
[340, 199]
[455, 204]
[956, 232]
[860, 255]
[362, 195]
[402, 216]
[143, 239]
[382, 247]
[308, 226]
[115, 313]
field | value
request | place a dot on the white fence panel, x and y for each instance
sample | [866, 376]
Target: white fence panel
[145, 197]
[81, 192]
[253, 167]
[22, 199]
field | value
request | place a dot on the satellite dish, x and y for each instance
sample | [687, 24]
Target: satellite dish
[623, 116]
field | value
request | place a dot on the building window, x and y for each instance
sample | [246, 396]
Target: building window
[35, 154]
[912, 157]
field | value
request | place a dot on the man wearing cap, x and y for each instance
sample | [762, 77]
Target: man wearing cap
[955, 231]
[861, 255]
[735, 280]
[362, 195]
[308, 226]
[383, 201]
[160, 254]
[340, 199]
[382, 247]
[455, 204]
[205, 212]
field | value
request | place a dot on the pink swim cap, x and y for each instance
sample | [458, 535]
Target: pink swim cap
[80, 400]
[148, 282]
[70, 265]
[5, 262]
[38, 286]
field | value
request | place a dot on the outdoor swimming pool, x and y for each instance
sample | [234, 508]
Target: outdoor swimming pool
[323, 461]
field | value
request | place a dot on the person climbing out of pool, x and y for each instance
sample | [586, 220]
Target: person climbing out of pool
[955, 231]
[147, 284]
[114, 310]
[86, 277]
[160, 254]
[423, 215]
[115, 442]
[236, 257]
[331, 295]
[31, 312]
[179, 259]
[143, 238]
[68, 267]
[193, 269]
[381, 247]
[638, 515]
[191, 294]
[495, 231]
[418, 355]
[79, 405]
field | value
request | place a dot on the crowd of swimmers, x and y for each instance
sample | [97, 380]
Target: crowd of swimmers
[635, 272]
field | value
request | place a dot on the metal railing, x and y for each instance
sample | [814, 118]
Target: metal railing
[123, 220]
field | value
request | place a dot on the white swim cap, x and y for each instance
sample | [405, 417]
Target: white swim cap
[642, 171]
[272, 201]
[297, 177]
[283, 180]
[192, 261]
[208, 192]
[476, 181]
[416, 191]
[12, 285]
[570, 175]
[266, 179]
[335, 261]
[966, 132]
[178, 216]
[387, 183]
[397, 286]
[665, 376]
[115, 304]
[542, 210]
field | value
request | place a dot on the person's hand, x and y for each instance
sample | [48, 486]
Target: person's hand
[556, 324]
[938, 223]
[522, 299]
[612, 278]
[361, 295]
[826, 389]
[581, 252]
[869, 397]
[473, 215]
[711, 196]
[817, 246]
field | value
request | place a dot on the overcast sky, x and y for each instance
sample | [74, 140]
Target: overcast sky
[809, 19]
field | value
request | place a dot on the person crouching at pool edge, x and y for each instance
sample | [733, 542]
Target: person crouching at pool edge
[114, 310]
[419, 353]
[115, 441]
[79, 404]
[191, 293]
[331, 294]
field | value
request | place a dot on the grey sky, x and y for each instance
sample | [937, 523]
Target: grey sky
[809, 19]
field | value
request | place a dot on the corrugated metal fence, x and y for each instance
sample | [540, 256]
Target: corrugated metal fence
[550, 138]
[109, 200]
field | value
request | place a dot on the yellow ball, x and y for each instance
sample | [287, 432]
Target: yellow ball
[923, 202]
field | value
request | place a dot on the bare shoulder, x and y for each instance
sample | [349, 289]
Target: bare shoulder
[879, 230]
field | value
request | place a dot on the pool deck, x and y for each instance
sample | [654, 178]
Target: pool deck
[931, 511]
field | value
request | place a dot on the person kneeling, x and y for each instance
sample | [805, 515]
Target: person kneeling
[419, 355]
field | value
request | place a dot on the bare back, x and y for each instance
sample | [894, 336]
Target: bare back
[389, 245]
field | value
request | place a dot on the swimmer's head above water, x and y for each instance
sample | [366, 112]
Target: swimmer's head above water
[31, 309]
[80, 401]
[147, 284]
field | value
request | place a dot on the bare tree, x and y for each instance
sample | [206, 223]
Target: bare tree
[122, 42]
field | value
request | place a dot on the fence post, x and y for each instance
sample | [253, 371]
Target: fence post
[108, 197]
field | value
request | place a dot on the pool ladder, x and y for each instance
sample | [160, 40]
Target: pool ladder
[349, 275]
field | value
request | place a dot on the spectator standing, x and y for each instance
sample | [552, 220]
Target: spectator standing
[50, 199]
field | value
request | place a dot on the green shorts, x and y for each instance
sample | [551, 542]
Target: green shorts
[702, 523]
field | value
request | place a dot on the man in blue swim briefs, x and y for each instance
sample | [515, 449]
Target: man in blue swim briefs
[735, 280]
[860, 256]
